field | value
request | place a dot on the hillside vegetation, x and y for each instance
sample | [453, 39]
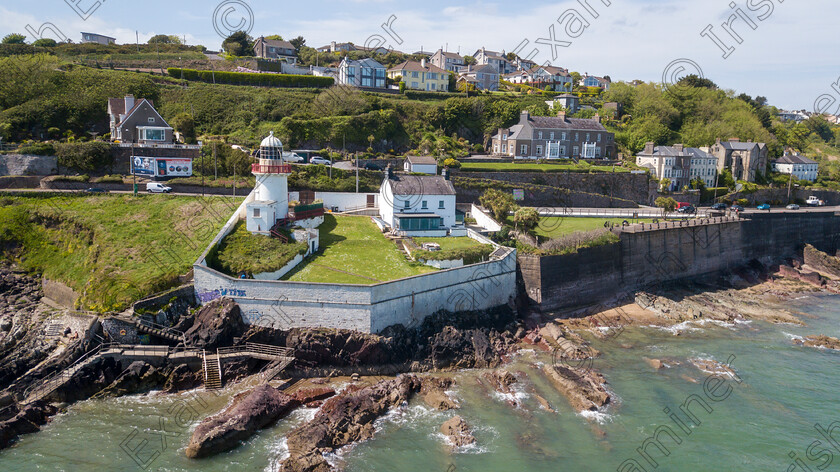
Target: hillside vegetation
[110, 249]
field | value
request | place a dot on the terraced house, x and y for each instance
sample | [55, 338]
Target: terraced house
[746, 160]
[449, 61]
[550, 137]
[421, 76]
[679, 164]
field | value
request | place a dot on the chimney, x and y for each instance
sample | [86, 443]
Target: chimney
[423, 63]
[734, 140]
[129, 103]
[597, 117]
[525, 115]
[562, 115]
[445, 173]
[389, 172]
[679, 147]
[649, 148]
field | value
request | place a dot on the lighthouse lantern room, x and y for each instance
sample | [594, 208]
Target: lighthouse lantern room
[271, 194]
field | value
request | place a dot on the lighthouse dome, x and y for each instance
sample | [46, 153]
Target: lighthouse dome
[271, 147]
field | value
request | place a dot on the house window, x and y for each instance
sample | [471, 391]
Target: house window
[576, 137]
[434, 86]
[415, 75]
[504, 137]
[599, 137]
[152, 134]
[256, 212]
[406, 204]
[539, 135]
[425, 205]
[504, 148]
[539, 150]
[440, 205]
[575, 151]
[524, 150]
[587, 137]
[151, 119]
[563, 136]
[414, 85]
[562, 151]
[552, 135]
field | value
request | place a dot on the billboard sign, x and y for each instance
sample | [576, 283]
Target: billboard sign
[162, 166]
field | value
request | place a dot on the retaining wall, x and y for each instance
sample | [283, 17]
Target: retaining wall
[25, 164]
[654, 256]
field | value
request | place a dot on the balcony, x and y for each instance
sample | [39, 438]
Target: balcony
[279, 169]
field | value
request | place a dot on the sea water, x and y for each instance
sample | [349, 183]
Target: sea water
[764, 418]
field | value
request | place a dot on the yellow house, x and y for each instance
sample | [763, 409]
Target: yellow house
[421, 76]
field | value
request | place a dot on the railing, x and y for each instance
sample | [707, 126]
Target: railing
[48, 384]
[615, 213]
[303, 212]
[280, 169]
[165, 329]
[263, 349]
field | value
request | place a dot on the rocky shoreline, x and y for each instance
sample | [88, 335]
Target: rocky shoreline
[419, 357]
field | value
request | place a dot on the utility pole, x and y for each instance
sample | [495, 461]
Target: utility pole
[357, 172]
[137, 40]
[133, 170]
[234, 181]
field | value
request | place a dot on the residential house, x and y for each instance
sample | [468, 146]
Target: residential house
[592, 81]
[799, 166]
[421, 76]
[797, 116]
[568, 101]
[275, 49]
[335, 47]
[136, 121]
[519, 77]
[523, 64]
[97, 38]
[318, 71]
[362, 73]
[746, 161]
[484, 77]
[545, 137]
[420, 165]
[449, 61]
[679, 164]
[495, 59]
[417, 205]
[557, 78]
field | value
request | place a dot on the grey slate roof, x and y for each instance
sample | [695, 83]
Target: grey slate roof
[421, 160]
[555, 122]
[671, 151]
[739, 146]
[795, 159]
[420, 185]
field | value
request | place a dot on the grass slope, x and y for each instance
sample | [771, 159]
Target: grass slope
[242, 251]
[552, 227]
[353, 251]
[110, 249]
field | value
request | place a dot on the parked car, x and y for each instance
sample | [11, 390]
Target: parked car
[719, 206]
[96, 190]
[736, 208]
[792, 206]
[764, 206]
[292, 157]
[157, 187]
[688, 210]
[320, 160]
[681, 205]
[372, 166]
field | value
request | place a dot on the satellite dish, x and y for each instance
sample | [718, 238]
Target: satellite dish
[739, 187]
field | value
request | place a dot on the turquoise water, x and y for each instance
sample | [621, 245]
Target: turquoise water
[784, 391]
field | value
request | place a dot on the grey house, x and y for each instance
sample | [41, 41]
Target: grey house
[274, 49]
[547, 137]
[137, 121]
[746, 160]
[448, 61]
[484, 77]
[97, 38]
[362, 73]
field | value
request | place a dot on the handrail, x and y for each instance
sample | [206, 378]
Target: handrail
[257, 348]
[65, 372]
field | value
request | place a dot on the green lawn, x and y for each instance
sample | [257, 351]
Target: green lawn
[242, 251]
[354, 251]
[552, 227]
[110, 249]
[533, 167]
[449, 243]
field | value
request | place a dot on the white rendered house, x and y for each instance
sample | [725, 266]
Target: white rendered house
[418, 205]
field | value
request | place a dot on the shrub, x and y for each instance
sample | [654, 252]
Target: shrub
[470, 255]
[251, 78]
[452, 163]
[84, 156]
[37, 149]
[570, 243]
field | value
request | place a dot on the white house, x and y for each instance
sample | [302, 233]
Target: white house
[362, 73]
[680, 164]
[417, 205]
[420, 165]
[800, 166]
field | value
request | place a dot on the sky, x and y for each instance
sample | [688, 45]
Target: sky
[783, 50]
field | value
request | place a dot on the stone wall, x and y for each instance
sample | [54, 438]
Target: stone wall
[618, 185]
[780, 196]
[651, 257]
[59, 293]
[542, 196]
[25, 164]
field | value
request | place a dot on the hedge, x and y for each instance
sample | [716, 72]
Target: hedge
[251, 78]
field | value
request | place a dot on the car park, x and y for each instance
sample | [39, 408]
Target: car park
[157, 187]
[764, 206]
[320, 160]
[792, 206]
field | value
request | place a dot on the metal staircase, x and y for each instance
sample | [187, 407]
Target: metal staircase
[271, 370]
[212, 371]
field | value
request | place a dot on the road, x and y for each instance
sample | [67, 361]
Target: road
[180, 194]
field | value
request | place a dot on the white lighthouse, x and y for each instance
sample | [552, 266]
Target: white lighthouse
[271, 194]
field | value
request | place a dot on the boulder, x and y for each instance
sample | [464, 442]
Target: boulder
[216, 324]
[822, 341]
[458, 432]
[821, 262]
[584, 389]
[439, 400]
[260, 408]
[28, 420]
[309, 396]
[655, 363]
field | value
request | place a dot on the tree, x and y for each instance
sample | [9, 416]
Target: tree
[667, 204]
[452, 163]
[274, 37]
[470, 61]
[499, 203]
[298, 43]
[14, 38]
[164, 39]
[184, 124]
[45, 43]
[526, 219]
[402, 86]
[238, 44]
[694, 80]
[665, 184]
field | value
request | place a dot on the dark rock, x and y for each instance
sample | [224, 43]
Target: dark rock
[819, 341]
[138, 377]
[307, 396]
[260, 408]
[182, 378]
[458, 432]
[821, 262]
[216, 324]
[28, 420]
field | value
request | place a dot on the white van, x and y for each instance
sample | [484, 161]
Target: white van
[157, 187]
